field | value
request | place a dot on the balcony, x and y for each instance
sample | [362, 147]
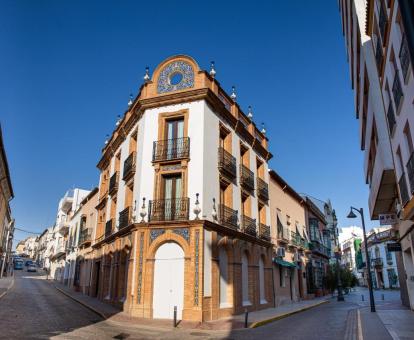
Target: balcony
[113, 184]
[319, 248]
[125, 218]
[228, 217]
[227, 163]
[249, 225]
[171, 149]
[176, 209]
[129, 166]
[283, 234]
[262, 189]
[63, 228]
[377, 262]
[246, 178]
[397, 91]
[66, 202]
[60, 249]
[108, 228]
[264, 232]
[383, 188]
[402, 183]
[295, 239]
[85, 236]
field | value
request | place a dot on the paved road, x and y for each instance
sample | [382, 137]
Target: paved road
[34, 309]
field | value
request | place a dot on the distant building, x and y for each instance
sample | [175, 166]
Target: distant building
[383, 263]
[350, 239]
[62, 243]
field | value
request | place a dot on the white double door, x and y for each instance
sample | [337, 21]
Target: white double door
[168, 281]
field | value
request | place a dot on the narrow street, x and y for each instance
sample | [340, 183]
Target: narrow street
[34, 309]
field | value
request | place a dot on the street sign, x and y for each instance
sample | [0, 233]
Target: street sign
[395, 246]
[388, 219]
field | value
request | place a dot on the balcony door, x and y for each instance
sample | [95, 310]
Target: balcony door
[174, 137]
[172, 196]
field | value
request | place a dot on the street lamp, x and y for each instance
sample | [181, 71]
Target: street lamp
[371, 292]
[338, 275]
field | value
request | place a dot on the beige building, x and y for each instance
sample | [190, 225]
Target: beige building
[6, 194]
[290, 240]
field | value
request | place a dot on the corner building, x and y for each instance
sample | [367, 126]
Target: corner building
[183, 215]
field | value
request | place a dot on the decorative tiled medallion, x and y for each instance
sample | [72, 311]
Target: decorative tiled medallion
[154, 233]
[196, 264]
[183, 232]
[177, 75]
[141, 251]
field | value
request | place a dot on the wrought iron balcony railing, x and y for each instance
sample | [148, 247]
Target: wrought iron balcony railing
[85, 235]
[171, 149]
[129, 166]
[246, 178]
[262, 189]
[176, 209]
[402, 184]
[397, 91]
[125, 218]
[227, 163]
[249, 225]
[410, 171]
[377, 262]
[283, 234]
[108, 228]
[113, 183]
[264, 231]
[228, 217]
[295, 238]
[391, 118]
[319, 248]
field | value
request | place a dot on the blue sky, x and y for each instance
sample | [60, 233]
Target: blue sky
[67, 68]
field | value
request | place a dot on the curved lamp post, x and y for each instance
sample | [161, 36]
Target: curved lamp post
[368, 261]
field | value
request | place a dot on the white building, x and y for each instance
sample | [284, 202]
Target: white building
[383, 263]
[350, 239]
[382, 76]
[59, 266]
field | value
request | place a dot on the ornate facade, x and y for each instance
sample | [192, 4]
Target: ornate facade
[183, 212]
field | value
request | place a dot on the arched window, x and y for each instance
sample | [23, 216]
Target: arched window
[224, 279]
[245, 280]
[262, 281]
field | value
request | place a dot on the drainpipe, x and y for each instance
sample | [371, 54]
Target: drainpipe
[273, 283]
[407, 16]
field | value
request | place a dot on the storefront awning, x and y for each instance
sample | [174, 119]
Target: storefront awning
[284, 263]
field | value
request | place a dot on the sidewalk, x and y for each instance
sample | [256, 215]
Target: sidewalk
[255, 319]
[5, 284]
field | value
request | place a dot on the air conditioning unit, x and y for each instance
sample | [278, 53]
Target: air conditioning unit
[281, 252]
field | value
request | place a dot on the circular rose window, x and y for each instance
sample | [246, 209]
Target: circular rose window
[176, 78]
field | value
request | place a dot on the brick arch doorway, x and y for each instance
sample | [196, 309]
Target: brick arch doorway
[168, 281]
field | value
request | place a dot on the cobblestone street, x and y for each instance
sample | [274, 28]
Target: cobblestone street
[34, 309]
